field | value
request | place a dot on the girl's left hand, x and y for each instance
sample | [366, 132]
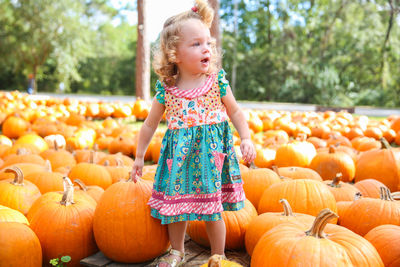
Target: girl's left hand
[248, 150]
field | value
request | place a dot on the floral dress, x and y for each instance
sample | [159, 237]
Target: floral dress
[198, 174]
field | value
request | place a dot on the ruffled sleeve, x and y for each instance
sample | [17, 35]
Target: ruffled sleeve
[222, 82]
[160, 93]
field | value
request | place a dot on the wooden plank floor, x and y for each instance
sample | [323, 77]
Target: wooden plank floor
[195, 256]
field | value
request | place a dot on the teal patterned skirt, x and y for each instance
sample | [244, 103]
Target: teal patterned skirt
[198, 175]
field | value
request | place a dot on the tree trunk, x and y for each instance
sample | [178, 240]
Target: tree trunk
[235, 28]
[215, 32]
[142, 54]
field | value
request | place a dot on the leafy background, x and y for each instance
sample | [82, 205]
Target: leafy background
[327, 52]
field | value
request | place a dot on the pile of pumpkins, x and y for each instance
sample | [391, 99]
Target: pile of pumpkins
[322, 191]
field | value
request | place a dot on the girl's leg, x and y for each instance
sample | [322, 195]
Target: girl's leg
[216, 232]
[176, 233]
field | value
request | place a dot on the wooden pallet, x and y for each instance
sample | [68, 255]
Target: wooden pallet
[195, 256]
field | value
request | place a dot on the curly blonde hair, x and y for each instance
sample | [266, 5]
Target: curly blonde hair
[165, 53]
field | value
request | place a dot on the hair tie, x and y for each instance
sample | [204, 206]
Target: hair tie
[194, 9]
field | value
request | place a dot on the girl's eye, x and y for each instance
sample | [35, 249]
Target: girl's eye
[196, 44]
[209, 43]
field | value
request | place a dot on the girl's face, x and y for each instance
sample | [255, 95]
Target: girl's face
[194, 49]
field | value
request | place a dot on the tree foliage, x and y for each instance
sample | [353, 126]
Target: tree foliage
[326, 52]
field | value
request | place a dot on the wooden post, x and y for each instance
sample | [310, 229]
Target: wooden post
[142, 54]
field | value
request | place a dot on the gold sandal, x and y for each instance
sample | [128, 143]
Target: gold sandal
[171, 261]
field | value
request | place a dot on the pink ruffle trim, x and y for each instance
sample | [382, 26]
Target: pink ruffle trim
[199, 204]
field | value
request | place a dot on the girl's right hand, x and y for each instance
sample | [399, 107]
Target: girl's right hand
[137, 169]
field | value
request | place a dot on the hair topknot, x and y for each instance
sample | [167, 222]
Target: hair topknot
[165, 53]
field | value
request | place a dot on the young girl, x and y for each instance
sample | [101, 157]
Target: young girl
[198, 175]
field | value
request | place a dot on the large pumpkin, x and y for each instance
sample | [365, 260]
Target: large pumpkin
[368, 213]
[236, 223]
[63, 222]
[304, 195]
[255, 181]
[291, 244]
[19, 246]
[135, 236]
[380, 164]
[386, 240]
[266, 221]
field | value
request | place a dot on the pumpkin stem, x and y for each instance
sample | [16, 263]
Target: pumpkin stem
[68, 195]
[388, 194]
[91, 156]
[320, 222]
[253, 166]
[119, 162]
[384, 193]
[357, 196]
[22, 151]
[19, 175]
[81, 184]
[396, 195]
[385, 143]
[55, 143]
[47, 165]
[336, 180]
[287, 209]
[106, 163]
[332, 149]
[276, 170]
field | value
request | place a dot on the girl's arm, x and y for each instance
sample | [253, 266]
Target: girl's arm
[145, 134]
[239, 121]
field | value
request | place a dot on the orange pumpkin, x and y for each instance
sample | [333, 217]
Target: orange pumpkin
[63, 223]
[369, 187]
[386, 240]
[341, 191]
[299, 173]
[296, 153]
[291, 244]
[136, 236]
[19, 246]
[91, 174]
[368, 213]
[10, 215]
[14, 127]
[17, 193]
[333, 162]
[304, 195]
[93, 190]
[255, 181]
[266, 221]
[343, 206]
[380, 164]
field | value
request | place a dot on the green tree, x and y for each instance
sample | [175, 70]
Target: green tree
[35, 31]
